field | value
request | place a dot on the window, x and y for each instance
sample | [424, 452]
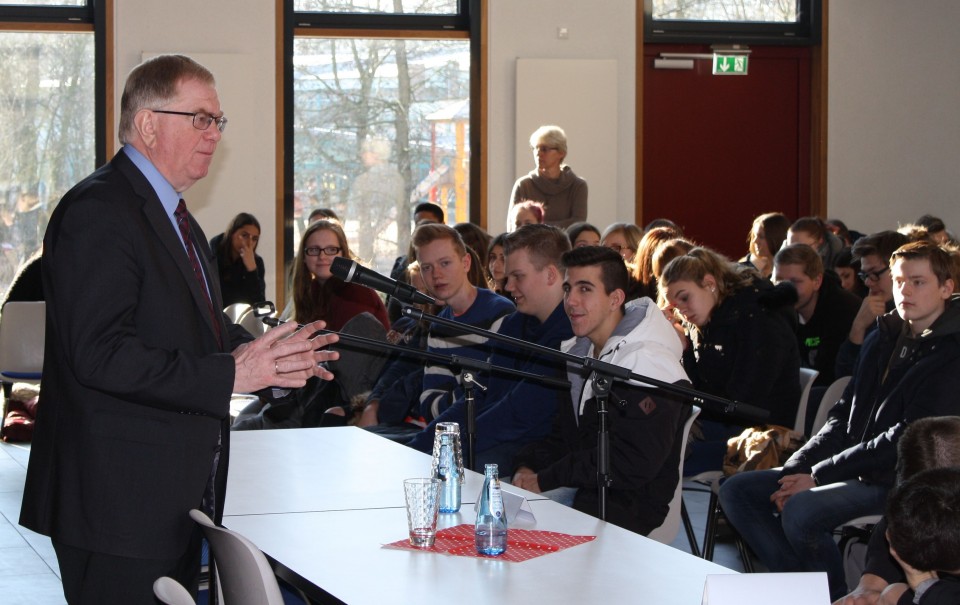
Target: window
[380, 120]
[48, 116]
[748, 21]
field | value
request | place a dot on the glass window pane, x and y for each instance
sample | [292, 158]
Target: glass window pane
[46, 134]
[44, 3]
[379, 126]
[398, 7]
[747, 11]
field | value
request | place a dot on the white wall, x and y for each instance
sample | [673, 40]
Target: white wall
[236, 40]
[894, 112]
[598, 29]
[894, 100]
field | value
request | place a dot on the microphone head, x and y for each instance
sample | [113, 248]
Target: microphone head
[343, 268]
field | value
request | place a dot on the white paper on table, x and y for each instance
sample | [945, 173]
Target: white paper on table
[515, 507]
[807, 588]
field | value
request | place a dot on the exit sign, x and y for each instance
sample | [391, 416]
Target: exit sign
[730, 65]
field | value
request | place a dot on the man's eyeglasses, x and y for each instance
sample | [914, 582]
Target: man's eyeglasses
[329, 250]
[543, 148]
[201, 120]
[866, 276]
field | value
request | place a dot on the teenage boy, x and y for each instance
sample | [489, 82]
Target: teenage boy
[512, 411]
[445, 268]
[645, 424]
[824, 309]
[909, 368]
[873, 251]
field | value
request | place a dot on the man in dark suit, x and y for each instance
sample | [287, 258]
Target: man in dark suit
[140, 361]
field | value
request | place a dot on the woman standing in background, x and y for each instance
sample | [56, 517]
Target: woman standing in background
[562, 193]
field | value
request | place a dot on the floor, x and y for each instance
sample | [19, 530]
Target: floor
[28, 565]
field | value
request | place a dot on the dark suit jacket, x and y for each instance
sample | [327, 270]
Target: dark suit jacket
[136, 389]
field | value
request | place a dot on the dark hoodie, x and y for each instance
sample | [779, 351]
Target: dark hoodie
[748, 353]
[564, 199]
[898, 380]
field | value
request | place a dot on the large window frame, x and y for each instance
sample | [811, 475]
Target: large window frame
[804, 32]
[465, 24]
[94, 17]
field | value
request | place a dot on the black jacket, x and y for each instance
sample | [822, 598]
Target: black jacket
[748, 353]
[884, 396]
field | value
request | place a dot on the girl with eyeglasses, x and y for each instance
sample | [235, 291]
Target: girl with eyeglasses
[317, 294]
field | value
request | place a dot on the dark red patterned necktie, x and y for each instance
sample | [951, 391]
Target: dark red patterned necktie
[184, 225]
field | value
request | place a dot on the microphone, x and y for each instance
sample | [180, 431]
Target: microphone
[351, 271]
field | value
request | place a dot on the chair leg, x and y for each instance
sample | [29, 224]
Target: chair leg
[710, 533]
[744, 555]
[688, 527]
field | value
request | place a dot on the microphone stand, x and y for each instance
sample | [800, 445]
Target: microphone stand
[466, 365]
[602, 376]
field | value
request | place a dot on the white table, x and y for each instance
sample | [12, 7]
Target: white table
[322, 502]
[322, 469]
[337, 556]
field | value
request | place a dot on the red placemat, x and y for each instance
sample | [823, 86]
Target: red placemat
[522, 544]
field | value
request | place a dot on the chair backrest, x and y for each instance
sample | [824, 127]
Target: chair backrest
[171, 592]
[830, 397]
[236, 311]
[244, 573]
[671, 524]
[252, 323]
[22, 330]
[807, 376]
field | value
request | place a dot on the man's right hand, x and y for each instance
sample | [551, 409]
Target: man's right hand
[284, 357]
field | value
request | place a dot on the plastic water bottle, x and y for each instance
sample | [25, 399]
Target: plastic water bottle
[490, 531]
[448, 465]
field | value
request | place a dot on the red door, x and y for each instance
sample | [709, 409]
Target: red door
[719, 150]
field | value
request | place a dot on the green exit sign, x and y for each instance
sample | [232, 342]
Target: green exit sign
[730, 65]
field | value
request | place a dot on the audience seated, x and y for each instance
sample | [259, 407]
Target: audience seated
[935, 228]
[873, 253]
[525, 212]
[742, 347]
[643, 281]
[511, 411]
[847, 270]
[909, 369]
[645, 424]
[840, 229]
[477, 239]
[583, 234]
[424, 212]
[496, 263]
[446, 267]
[317, 293]
[813, 232]
[322, 213]
[824, 310]
[239, 267]
[927, 443]
[924, 535]
[766, 236]
[624, 238]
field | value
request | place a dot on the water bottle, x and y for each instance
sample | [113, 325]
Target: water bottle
[448, 465]
[490, 531]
